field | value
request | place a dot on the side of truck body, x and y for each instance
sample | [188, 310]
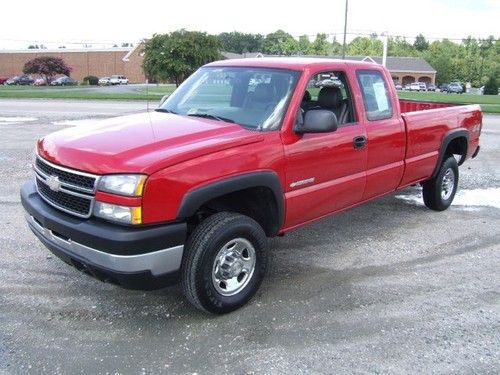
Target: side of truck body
[200, 171]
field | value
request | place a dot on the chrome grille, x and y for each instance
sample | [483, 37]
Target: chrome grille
[69, 190]
[76, 179]
[66, 202]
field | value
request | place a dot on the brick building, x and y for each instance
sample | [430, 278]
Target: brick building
[97, 62]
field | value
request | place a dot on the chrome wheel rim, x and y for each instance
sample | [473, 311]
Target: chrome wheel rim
[447, 184]
[233, 267]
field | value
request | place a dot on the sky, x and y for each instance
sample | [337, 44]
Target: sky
[106, 22]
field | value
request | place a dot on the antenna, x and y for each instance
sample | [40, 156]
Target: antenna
[147, 95]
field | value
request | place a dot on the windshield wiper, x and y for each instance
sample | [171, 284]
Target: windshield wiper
[213, 117]
[164, 110]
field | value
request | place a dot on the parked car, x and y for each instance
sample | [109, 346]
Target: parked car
[443, 87]
[103, 81]
[20, 80]
[118, 80]
[192, 192]
[40, 82]
[455, 88]
[398, 86]
[431, 87]
[415, 86]
[423, 86]
[407, 87]
[328, 82]
[3, 80]
[64, 81]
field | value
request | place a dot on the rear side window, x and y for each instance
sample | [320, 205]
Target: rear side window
[375, 95]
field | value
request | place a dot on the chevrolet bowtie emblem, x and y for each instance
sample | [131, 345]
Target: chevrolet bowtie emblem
[53, 183]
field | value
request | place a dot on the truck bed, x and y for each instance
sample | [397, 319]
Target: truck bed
[426, 124]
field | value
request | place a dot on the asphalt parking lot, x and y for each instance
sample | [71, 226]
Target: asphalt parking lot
[388, 287]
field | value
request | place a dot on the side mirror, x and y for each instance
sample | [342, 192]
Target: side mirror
[165, 97]
[317, 121]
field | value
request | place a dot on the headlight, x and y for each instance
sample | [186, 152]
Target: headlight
[121, 214]
[127, 184]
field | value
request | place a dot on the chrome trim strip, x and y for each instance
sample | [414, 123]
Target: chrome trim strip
[74, 171]
[158, 262]
[90, 198]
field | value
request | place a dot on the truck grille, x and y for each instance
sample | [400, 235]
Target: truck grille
[69, 190]
[72, 178]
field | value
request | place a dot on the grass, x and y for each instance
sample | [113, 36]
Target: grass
[84, 93]
[489, 103]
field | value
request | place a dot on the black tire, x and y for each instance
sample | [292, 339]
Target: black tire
[438, 194]
[198, 270]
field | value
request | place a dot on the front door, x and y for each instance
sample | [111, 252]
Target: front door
[325, 172]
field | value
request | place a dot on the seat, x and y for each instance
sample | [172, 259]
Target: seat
[261, 98]
[306, 101]
[330, 98]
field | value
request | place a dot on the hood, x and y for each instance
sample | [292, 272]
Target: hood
[141, 143]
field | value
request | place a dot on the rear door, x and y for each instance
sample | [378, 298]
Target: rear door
[385, 131]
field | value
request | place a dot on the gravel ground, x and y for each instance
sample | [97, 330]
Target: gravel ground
[388, 287]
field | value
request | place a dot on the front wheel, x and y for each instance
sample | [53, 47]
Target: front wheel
[439, 192]
[224, 262]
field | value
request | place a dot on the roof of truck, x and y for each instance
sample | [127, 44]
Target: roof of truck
[294, 63]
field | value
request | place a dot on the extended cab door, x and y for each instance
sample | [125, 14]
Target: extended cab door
[386, 137]
[325, 172]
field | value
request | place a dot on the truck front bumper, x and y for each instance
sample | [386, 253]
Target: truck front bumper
[145, 257]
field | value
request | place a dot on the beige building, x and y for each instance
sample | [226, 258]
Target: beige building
[405, 70]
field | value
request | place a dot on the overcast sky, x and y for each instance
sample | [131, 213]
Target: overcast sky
[55, 22]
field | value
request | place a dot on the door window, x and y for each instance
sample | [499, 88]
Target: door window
[376, 96]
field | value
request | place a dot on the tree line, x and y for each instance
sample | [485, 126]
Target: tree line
[175, 55]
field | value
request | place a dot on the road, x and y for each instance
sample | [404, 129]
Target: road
[388, 287]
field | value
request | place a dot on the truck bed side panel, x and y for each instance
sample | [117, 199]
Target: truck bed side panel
[426, 130]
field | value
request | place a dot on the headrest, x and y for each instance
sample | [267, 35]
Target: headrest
[306, 97]
[330, 97]
[263, 93]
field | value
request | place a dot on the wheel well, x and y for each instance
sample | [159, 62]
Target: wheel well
[258, 203]
[457, 146]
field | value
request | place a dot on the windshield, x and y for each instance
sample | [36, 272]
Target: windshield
[252, 97]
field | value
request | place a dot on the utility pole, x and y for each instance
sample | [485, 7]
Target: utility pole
[345, 29]
[384, 53]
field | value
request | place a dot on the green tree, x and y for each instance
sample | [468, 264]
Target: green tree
[240, 42]
[174, 56]
[491, 87]
[444, 56]
[304, 45]
[320, 46]
[362, 46]
[420, 43]
[279, 43]
[335, 47]
[47, 67]
[400, 47]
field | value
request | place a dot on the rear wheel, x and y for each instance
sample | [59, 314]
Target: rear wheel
[438, 193]
[224, 262]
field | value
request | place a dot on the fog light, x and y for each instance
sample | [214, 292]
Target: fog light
[120, 214]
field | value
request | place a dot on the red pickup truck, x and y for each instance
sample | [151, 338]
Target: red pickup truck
[243, 150]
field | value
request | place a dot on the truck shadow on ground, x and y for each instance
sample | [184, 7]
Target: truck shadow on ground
[301, 265]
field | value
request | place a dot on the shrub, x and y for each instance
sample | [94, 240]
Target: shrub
[491, 87]
[91, 80]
